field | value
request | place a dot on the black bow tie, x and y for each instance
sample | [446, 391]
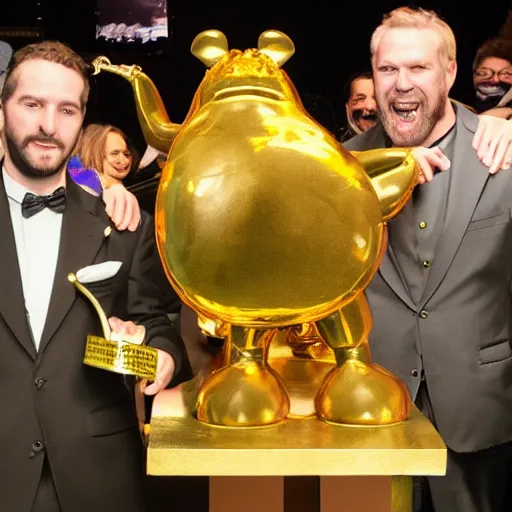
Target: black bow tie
[33, 204]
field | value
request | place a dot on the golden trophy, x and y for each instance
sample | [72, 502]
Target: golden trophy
[127, 355]
[267, 228]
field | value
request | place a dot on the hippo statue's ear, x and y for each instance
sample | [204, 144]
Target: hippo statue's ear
[278, 46]
[209, 46]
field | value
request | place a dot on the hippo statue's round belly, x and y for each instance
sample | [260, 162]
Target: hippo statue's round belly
[263, 219]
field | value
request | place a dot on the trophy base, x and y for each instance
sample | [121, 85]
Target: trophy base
[121, 357]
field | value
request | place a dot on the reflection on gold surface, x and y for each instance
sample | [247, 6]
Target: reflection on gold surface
[267, 227]
[401, 494]
[305, 341]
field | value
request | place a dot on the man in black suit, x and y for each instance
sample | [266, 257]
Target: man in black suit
[69, 432]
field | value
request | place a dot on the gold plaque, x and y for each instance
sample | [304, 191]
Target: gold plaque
[121, 357]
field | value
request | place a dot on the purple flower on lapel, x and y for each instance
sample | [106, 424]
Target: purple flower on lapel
[86, 178]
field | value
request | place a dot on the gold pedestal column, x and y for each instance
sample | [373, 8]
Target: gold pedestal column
[360, 469]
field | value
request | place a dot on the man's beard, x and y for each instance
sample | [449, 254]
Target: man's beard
[21, 158]
[429, 118]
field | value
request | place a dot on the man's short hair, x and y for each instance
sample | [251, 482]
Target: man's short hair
[51, 51]
[360, 75]
[408, 17]
[495, 47]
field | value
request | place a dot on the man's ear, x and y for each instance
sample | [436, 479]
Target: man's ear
[452, 73]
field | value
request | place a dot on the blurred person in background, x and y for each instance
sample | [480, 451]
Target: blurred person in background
[492, 78]
[360, 105]
[5, 57]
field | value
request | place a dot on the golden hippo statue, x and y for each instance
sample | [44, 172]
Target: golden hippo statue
[265, 225]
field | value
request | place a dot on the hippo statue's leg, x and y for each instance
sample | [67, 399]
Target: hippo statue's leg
[246, 391]
[357, 391]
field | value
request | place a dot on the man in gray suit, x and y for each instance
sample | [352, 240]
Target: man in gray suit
[442, 297]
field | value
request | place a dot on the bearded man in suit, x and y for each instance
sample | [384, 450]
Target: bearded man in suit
[441, 299]
[69, 432]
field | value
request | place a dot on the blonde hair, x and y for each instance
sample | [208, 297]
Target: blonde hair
[407, 17]
[92, 143]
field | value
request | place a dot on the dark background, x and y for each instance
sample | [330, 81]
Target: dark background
[331, 39]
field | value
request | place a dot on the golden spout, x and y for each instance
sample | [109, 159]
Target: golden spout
[102, 63]
[159, 132]
[394, 174]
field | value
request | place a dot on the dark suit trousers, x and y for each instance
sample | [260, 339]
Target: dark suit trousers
[474, 482]
[46, 499]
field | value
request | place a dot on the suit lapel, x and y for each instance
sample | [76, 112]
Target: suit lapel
[12, 301]
[82, 235]
[390, 272]
[467, 180]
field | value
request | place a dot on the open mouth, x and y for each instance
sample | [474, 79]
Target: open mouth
[372, 116]
[407, 111]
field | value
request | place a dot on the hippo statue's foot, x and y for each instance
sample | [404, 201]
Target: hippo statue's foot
[362, 393]
[243, 394]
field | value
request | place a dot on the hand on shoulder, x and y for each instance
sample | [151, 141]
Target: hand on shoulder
[122, 207]
[493, 142]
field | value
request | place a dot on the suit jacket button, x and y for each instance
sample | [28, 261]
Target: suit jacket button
[37, 446]
[39, 382]
[414, 372]
[423, 314]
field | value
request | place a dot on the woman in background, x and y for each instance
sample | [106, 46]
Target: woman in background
[107, 150]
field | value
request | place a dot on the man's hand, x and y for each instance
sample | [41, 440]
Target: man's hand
[129, 331]
[122, 207]
[430, 159]
[164, 373]
[493, 142]
[126, 331]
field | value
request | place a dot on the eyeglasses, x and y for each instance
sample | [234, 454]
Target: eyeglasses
[486, 73]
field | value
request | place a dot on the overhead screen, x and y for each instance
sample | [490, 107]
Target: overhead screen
[134, 22]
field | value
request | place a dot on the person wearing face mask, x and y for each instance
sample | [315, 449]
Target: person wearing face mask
[361, 109]
[492, 78]
[107, 150]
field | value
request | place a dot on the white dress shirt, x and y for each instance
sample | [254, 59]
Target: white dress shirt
[37, 244]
